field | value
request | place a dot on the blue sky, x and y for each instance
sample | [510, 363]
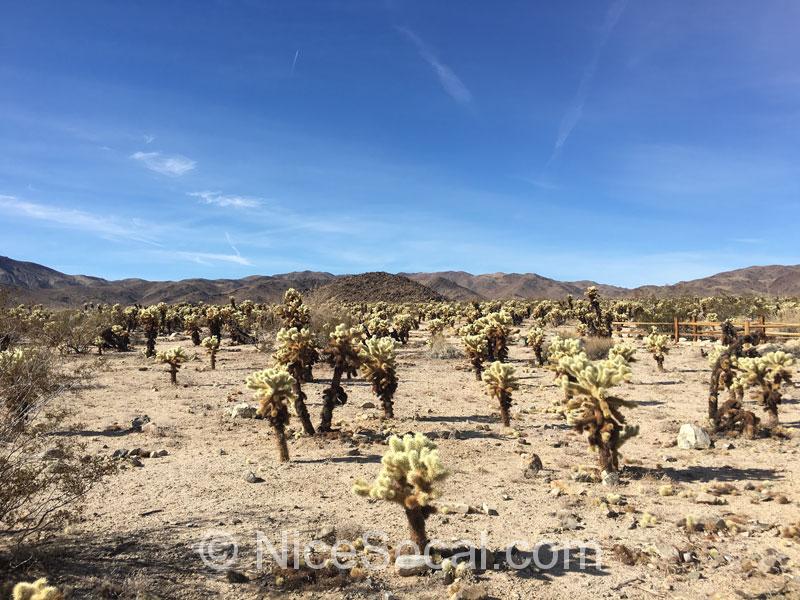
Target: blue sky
[626, 142]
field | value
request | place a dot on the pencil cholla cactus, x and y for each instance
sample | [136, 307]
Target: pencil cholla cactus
[477, 350]
[274, 390]
[592, 411]
[341, 353]
[535, 340]
[174, 358]
[657, 344]
[765, 375]
[622, 351]
[296, 350]
[410, 472]
[38, 590]
[379, 366]
[500, 381]
[211, 344]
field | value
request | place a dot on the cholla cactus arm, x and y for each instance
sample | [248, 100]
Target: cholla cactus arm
[38, 590]
[622, 351]
[378, 364]
[592, 411]
[274, 389]
[410, 472]
[477, 350]
[501, 380]
[174, 358]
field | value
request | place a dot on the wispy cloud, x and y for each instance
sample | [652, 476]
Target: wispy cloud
[206, 258]
[294, 62]
[451, 83]
[149, 139]
[174, 166]
[226, 200]
[102, 226]
[575, 110]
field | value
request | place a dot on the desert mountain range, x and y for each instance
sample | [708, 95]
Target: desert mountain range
[31, 282]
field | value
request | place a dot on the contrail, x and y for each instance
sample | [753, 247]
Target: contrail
[294, 62]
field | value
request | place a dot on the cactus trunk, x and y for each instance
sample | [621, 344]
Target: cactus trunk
[280, 440]
[302, 410]
[173, 375]
[416, 526]
[195, 337]
[329, 397]
[505, 408]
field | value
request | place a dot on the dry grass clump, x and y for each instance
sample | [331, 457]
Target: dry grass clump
[440, 348]
[597, 348]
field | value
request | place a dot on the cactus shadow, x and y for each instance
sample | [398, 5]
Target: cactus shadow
[366, 459]
[458, 419]
[546, 562]
[700, 473]
[93, 433]
[649, 402]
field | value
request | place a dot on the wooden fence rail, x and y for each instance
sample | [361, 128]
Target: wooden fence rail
[699, 329]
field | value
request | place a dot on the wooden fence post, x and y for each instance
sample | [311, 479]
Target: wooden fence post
[694, 329]
[763, 321]
[747, 327]
[677, 330]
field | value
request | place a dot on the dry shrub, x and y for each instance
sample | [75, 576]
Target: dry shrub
[44, 476]
[325, 316]
[439, 347]
[597, 348]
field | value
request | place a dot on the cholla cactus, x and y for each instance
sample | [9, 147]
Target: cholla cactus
[731, 416]
[593, 321]
[622, 351]
[215, 318]
[409, 475]
[38, 590]
[535, 340]
[436, 326]
[296, 350]
[592, 410]
[765, 374]
[150, 318]
[378, 365]
[293, 312]
[341, 353]
[174, 358]
[500, 381]
[191, 323]
[658, 345]
[274, 389]
[497, 328]
[557, 349]
[211, 344]
[401, 327]
[477, 350]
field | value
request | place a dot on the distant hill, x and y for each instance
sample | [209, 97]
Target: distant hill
[374, 287]
[31, 282]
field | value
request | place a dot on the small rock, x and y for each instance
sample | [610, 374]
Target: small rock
[243, 410]
[367, 405]
[54, 454]
[252, 478]
[135, 452]
[150, 429]
[456, 507]
[489, 510]
[326, 533]
[705, 498]
[610, 478]
[470, 592]
[533, 467]
[769, 565]
[692, 437]
[159, 453]
[121, 453]
[139, 422]
[411, 564]
[236, 576]
[354, 452]
[569, 521]
[728, 446]
[222, 452]
[136, 462]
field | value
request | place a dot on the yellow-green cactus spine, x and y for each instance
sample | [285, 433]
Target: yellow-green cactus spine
[174, 359]
[38, 590]
[274, 389]
[622, 351]
[379, 366]
[501, 380]
[410, 472]
[592, 411]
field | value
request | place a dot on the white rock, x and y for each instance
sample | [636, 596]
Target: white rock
[692, 437]
[411, 564]
[243, 411]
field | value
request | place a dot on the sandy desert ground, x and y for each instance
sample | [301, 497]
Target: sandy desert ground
[144, 529]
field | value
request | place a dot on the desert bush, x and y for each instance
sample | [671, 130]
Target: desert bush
[274, 389]
[440, 348]
[597, 348]
[379, 367]
[501, 380]
[211, 344]
[174, 358]
[591, 410]
[409, 476]
[342, 354]
[71, 330]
